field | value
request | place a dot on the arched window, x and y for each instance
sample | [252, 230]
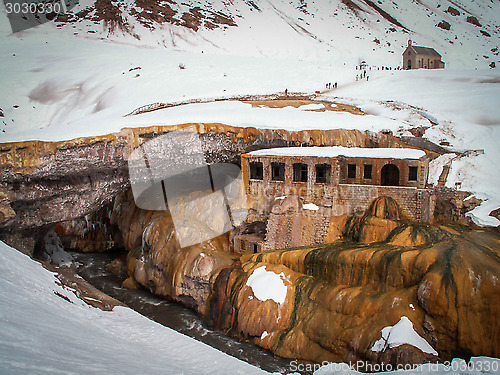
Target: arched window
[389, 175]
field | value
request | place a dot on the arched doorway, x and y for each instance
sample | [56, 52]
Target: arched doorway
[389, 175]
[409, 64]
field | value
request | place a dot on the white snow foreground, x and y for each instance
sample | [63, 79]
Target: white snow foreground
[43, 333]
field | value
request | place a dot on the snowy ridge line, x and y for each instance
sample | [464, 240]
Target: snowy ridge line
[159, 105]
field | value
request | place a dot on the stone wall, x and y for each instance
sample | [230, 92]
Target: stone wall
[343, 194]
[291, 225]
[416, 203]
[280, 202]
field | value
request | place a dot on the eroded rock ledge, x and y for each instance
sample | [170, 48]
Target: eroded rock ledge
[42, 183]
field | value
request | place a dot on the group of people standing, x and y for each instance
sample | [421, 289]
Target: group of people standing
[329, 85]
[362, 75]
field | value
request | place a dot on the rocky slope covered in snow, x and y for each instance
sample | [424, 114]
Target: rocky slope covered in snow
[465, 32]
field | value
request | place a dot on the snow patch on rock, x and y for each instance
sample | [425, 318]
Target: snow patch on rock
[399, 334]
[267, 285]
[310, 206]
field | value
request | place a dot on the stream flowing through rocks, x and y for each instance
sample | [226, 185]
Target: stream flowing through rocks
[92, 267]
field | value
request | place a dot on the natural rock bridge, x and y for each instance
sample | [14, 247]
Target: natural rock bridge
[42, 183]
[338, 296]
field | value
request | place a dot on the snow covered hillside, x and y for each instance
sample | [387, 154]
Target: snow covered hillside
[464, 32]
[62, 81]
[46, 329]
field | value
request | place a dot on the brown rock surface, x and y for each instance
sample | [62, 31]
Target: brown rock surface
[91, 233]
[340, 296]
[157, 262]
[336, 227]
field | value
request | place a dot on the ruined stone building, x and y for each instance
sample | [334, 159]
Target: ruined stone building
[416, 57]
[296, 191]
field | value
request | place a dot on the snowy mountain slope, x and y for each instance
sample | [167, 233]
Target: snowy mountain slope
[58, 85]
[376, 31]
[47, 330]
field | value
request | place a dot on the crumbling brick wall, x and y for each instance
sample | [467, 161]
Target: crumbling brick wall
[289, 225]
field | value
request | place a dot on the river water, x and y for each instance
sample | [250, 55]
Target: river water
[92, 267]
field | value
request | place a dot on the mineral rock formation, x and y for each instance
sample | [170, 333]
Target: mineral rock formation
[422, 293]
[340, 297]
[157, 262]
[91, 233]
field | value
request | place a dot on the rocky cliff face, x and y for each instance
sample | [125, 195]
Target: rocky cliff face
[42, 183]
[157, 262]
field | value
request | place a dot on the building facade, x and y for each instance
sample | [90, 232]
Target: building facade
[416, 57]
[318, 183]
